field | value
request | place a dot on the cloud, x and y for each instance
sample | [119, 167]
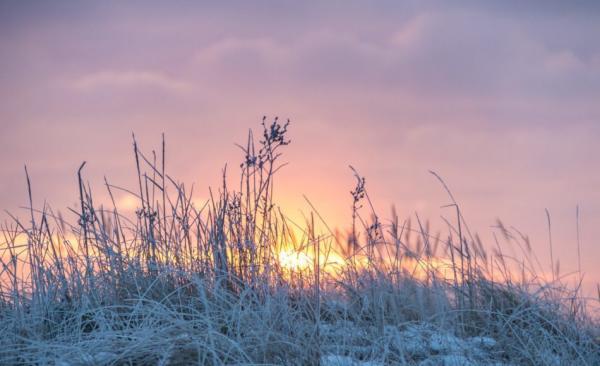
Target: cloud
[129, 79]
[444, 55]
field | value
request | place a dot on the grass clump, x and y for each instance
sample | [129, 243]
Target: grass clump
[177, 284]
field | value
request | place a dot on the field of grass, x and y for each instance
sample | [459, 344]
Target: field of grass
[234, 281]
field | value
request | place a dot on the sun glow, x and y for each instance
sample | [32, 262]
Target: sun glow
[295, 261]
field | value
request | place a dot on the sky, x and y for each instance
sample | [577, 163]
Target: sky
[498, 98]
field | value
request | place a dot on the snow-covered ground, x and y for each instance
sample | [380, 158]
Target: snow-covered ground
[425, 345]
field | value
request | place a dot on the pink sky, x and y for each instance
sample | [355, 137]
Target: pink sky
[501, 100]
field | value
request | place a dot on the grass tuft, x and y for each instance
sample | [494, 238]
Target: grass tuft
[177, 284]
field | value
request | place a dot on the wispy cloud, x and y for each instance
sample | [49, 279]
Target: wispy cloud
[129, 79]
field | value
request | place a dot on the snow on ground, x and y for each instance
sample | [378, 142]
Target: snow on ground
[423, 345]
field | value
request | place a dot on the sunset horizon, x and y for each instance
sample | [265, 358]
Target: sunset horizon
[354, 166]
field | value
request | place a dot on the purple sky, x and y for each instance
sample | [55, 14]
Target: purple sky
[501, 100]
